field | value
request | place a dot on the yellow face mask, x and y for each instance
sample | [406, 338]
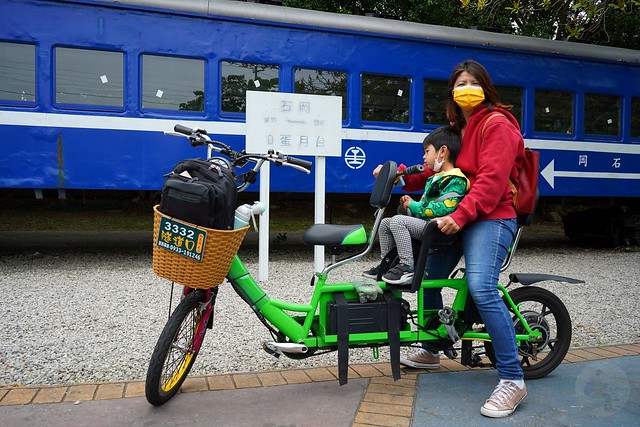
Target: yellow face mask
[468, 97]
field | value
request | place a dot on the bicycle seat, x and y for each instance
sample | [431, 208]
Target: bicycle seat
[335, 235]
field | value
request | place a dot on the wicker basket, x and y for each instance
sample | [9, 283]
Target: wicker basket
[219, 249]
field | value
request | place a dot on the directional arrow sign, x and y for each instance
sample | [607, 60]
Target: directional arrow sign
[549, 173]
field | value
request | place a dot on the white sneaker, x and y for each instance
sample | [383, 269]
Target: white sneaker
[504, 400]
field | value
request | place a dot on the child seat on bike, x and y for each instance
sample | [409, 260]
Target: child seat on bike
[338, 238]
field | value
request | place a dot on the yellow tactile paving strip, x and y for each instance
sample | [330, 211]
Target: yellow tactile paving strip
[386, 402]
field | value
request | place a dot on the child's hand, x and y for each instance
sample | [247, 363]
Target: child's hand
[405, 201]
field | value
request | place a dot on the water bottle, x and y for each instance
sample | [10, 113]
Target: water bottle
[245, 212]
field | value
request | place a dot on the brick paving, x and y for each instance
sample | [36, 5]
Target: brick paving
[385, 403]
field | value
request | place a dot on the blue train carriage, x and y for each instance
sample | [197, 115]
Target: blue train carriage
[86, 87]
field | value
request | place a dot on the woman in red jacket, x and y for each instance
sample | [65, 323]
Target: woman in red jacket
[492, 154]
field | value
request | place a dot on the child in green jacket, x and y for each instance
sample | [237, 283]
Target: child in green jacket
[442, 193]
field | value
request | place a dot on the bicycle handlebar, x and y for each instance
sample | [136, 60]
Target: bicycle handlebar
[411, 170]
[198, 136]
[183, 129]
[299, 162]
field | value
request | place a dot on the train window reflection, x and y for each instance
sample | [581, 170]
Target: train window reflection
[89, 77]
[172, 83]
[435, 98]
[602, 114]
[385, 98]
[635, 117]
[18, 72]
[511, 95]
[239, 77]
[553, 111]
[322, 82]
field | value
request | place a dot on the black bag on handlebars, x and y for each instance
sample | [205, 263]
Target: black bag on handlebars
[201, 192]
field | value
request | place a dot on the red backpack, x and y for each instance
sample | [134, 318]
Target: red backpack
[525, 196]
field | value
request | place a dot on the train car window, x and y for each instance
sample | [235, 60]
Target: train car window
[511, 95]
[635, 117]
[385, 98]
[18, 72]
[322, 82]
[553, 111]
[435, 98]
[239, 77]
[602, 114]
[89, 77]
[172, 83]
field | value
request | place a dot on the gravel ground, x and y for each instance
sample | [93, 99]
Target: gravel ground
[94, 317]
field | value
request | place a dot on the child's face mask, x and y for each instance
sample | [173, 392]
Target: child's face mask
[437, 165]
[468, 97]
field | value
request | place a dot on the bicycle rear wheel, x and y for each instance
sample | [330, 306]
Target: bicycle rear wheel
[174, 353]
[545, 313]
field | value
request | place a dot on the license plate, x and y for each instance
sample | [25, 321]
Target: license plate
[181, 238]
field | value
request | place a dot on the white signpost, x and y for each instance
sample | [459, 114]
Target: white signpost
[299, 125]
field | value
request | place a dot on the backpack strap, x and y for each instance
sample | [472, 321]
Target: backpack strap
[487, 120]
[514, 190]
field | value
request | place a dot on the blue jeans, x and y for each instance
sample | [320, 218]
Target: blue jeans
[485, 245]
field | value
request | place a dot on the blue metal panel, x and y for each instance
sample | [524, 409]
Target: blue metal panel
[28, 157]
[130, 155]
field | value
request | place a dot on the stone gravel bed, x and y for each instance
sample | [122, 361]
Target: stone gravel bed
[71, 317]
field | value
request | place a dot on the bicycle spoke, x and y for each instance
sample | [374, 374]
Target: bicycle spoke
[180, 353]
[175, 354]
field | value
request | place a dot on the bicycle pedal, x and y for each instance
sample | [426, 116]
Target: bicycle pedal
[446, 315]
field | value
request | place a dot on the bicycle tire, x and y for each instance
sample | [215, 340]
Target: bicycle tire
[173, 355]
[544, 312]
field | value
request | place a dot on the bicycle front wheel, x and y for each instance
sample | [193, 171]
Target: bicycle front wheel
[174, 353]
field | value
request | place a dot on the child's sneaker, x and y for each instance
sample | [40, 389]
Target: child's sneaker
[400, 274]
[421, 359]
[372, 273]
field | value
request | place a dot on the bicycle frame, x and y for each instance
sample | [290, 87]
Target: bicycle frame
[314, 316]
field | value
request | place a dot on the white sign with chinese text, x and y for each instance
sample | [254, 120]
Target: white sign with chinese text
[299, 125]
[293, 123]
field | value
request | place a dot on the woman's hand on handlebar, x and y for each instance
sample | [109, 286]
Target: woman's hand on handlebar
[447, 225]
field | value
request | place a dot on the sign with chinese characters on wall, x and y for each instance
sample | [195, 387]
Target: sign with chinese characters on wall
[292, 123]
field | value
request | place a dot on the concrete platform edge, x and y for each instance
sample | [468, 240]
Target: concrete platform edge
[385, 402]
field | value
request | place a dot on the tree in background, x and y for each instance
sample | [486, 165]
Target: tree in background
[603, 22]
